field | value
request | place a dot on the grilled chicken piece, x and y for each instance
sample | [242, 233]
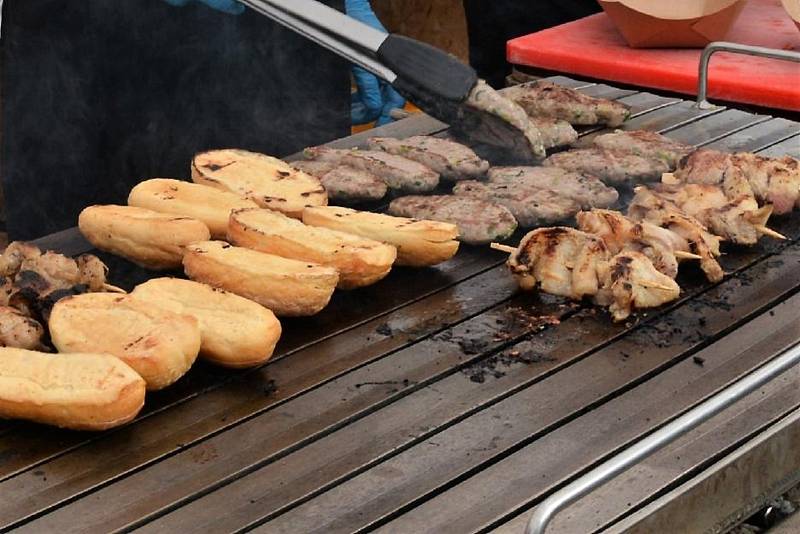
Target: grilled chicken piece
[531, 206]
[767, 180]
[479, 221]
[562, 261]
[19, 331]
[622, 234]
[630, 280]
[93, 272]
[614, 167]
[546, 99]
[736, 221]
[343, 183]
[501, 123]
[396, 171]
[648, 206]
[555, 132]
[647, 144]
[588, 191]
[451, 160]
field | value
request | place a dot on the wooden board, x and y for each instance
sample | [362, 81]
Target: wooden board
[423, 403]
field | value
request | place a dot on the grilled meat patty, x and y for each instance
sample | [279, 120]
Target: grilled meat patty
[546, 99]
[646, 144]
[479, 221]
[451, 160]
[531, 206]
[555, 132]
[587, 191]
[502, 123]
[344, 183]
[396, 171]
[613, 167]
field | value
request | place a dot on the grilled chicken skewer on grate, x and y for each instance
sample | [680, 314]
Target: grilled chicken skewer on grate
[766, 180]
[575, 264]
[647, 206]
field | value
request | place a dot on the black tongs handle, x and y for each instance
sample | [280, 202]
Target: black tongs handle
[411, 66]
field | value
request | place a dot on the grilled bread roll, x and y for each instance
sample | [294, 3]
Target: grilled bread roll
[360, 261]
[235, 332]
[77, 391]
[287, 287]
[419, 243]
[158, 344]
[145, 237]
[269, 182]
[210, 206]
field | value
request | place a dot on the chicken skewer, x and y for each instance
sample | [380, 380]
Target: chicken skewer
[575, 264]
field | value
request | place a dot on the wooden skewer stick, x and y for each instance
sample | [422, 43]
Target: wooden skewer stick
[681, 255]
[503, 248]
[653, 285]
[769, 231]
[113, 289]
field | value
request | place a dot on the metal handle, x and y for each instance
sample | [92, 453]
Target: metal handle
[662, 437]
[723, 46]
[345, 36]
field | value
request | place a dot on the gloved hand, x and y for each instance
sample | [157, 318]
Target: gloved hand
[226, 6]
[375, 98]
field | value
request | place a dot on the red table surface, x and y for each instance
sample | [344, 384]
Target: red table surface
[593, 47]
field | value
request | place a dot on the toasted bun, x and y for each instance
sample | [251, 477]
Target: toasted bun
[158, 344]
[206, 204]
[145, 237]
[287, 287]
[269, 182]
[419, 243]
[360, 261]
[236, 332]
[77, 391]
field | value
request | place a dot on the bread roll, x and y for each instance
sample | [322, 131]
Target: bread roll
[269, 182]
[206, 204]
[158, 344]
[287, 287]
[419, 243]
[236, 332]
[145, 237]
[77, 391]
[360, 261]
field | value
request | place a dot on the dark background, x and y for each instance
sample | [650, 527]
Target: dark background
[100, 94]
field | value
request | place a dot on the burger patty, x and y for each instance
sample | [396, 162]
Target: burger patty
[587, 191]
[531, 206]
[546, 99]
[479, 221]
[611, 166]
[451, 160]
[344, 183]
[647, 144]
[555, 132]
[396, 171]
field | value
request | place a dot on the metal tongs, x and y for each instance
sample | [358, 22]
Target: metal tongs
[437, 82]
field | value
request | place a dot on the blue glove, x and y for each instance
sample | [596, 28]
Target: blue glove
[226, 6]
[375, 99]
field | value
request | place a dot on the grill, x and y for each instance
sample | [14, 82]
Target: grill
[438, 400]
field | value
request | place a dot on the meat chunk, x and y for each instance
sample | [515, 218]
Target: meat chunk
[451, 160]
[555, 132]
[647, 144]
[479, 221]
[632, 281]
[587, 191]
[501, 123]
[648, 206]
[396, 171]
[737, 221]
[562, 261]
[531, 206]
[19, 331]
[614, 167]
[344, 183]
[542, 98]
